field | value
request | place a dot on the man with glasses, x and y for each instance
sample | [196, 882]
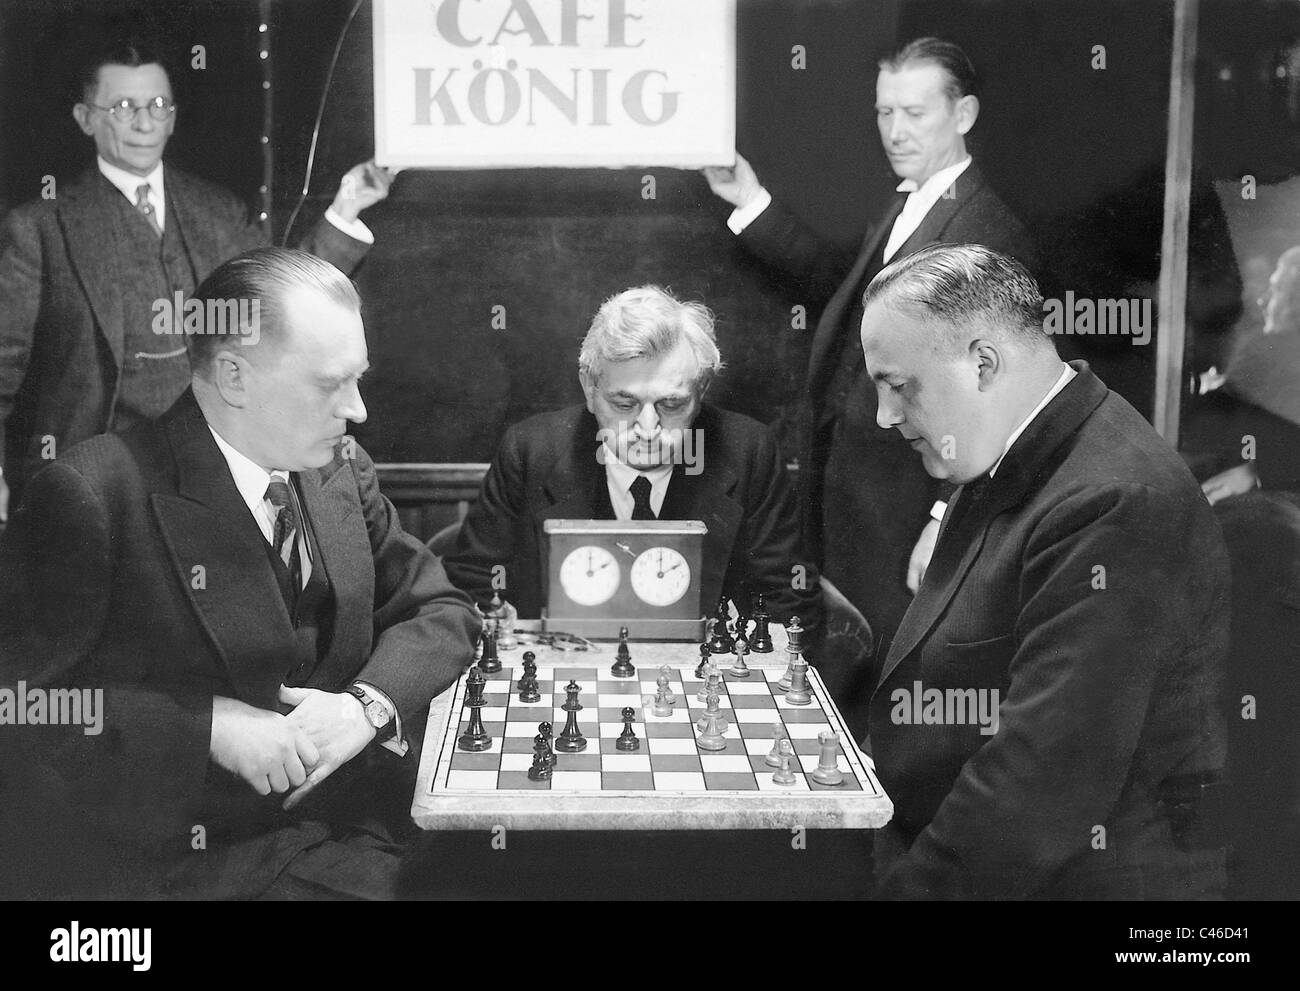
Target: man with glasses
[82, 274]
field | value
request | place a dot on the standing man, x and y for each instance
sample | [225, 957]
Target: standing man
[80, 273]
[263, 634]
[868, 507]
[1047, 719]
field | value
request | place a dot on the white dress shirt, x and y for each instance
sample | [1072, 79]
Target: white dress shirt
[619, 477]
[1062, 381]
[920, 199]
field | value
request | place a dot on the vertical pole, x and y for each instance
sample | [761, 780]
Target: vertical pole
[1171, 332]
[268, 153]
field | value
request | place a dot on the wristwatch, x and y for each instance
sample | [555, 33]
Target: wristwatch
[377, 714]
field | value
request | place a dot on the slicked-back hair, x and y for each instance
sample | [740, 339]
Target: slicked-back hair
[647, 321]
[961, 79]
[265, 275]
[129, 51]
[964, 291]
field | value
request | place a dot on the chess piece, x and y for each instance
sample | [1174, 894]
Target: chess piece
[741, 648]
[762, 642]
[773, 758]
[662, 706]
[712, 711]
[783, 775]
[712, 681]
[627, 739]
[499, 619]
[489, 663]
[794, 635]
[720, 642]
[798, 693]
[712, 737]
[705, 654]
[623, 659]
[542, 765]
[571, 740]
[475, 737]
[827, 771]
[666, 673]
[544, 731]
[528, 691]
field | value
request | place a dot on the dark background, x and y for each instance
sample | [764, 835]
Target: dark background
[1079, 153]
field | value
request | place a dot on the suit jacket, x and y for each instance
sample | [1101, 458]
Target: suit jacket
[882, 492]
[61, 313]
[134, 565]
[546, 468]
[1087, 583]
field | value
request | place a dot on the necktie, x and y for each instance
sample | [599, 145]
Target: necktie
[284, 533]
[146, 208]
[640, 490]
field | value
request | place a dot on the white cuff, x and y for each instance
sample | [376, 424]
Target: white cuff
[937, 511]
[354, 229]
[743, 216]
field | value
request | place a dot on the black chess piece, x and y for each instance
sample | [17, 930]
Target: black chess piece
[528, 691]
[623, 667]
[542, 764]
[705, 654]
[627, 739]
[489, 663]
[762, 642]
[720, 642]
[544, 731]
[475, 737]
[571, 740]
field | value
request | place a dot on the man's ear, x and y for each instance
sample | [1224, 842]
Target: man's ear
[231, 373]
[988, 361]
[588, 390]
[81, 114]
[967, 112]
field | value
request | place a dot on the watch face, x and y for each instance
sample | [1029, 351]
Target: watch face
[377, 714]
[660, 576]
[589, 575]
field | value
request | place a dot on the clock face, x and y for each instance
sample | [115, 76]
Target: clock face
[589, 575]
[660, 576]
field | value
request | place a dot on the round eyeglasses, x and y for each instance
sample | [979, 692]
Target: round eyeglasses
[160, 108]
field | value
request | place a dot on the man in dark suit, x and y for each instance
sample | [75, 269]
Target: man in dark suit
[645, 366]
[1046, 720]
[869, 510]
[232, 579]
[81, 351]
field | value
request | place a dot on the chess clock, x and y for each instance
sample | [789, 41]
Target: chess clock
[642, 574]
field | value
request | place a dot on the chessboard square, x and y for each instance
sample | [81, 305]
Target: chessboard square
[518, 743]
[755, 744]
[499, 699]
[674, 762]
[801, 717]
[543, 703]
[628, 687]
[585, 677]
[494, 713]
[734, 747]
[679, 781]
[614, 713]
[587, 760]
[615, 701]
[755, 703]
[671, 745]
[765, 782]
[523, 724]
[806, 747]
[666, 728]
[727, 781]
[624, 763]
[747, 687]
[483, 761]
[628, 782]
[806, 731]
[575, 780]
[519, 780]
[720, 762]
[517, 762]
[472, 780]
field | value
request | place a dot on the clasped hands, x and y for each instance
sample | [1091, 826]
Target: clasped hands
[274, 752]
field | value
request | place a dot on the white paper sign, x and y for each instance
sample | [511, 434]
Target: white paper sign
[531, 83]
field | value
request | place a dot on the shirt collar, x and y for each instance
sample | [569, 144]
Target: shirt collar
[250, 478]
[1062, 380]
[624, 475]
[938, 182]
[128, 182]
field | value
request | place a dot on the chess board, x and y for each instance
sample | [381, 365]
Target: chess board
[669, 783]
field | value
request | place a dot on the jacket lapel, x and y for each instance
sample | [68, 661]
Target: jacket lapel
[575, 486]
[86, 215]
[945, 210]
[198, 233]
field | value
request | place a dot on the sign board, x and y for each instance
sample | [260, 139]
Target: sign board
[479, 84]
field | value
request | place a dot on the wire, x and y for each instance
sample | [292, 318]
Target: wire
[315, 131]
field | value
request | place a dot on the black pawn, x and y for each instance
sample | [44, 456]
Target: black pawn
[489, 663]
[721, 642]
[627, 739]
[705, 654]
[762, 642]
[475, 737]
[542, 764]
[623, 659]
[528, 691]
[571, 740]
[545, 732]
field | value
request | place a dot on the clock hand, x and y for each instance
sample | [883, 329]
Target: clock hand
[624, 548]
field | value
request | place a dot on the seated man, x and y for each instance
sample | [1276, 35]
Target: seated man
[645, 366]
[1046, 720]
[232, 583]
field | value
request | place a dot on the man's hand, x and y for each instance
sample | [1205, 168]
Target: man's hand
[1235, 481]
[335, 723]
[4, 501]
[920, 559]
[363, 186]
[737, 185]
[260, 746]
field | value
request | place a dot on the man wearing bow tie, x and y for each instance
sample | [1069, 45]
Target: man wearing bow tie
[1046, 720]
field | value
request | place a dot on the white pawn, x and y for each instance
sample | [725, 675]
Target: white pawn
[783, 775]
[712, 712]
[798, 693]
[740, 649]
[712, 737]
[773, 758]
[827, 771]
[662, 705]
[665, 676]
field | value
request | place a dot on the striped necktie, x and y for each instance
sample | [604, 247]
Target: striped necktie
[146, 208]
